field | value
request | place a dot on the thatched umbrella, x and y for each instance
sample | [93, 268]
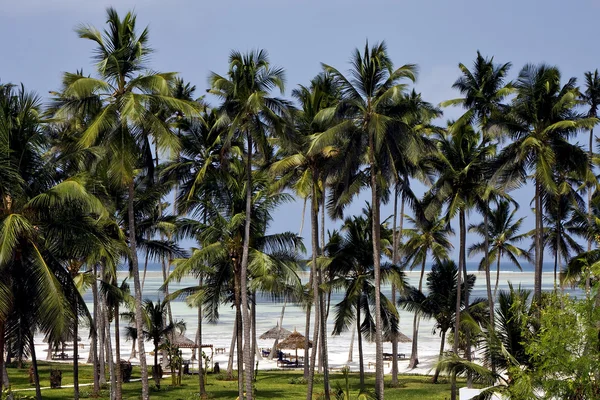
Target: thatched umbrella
[294, 341]
[272, 333]
[401, 337]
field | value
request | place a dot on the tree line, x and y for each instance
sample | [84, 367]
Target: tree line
[85, 180]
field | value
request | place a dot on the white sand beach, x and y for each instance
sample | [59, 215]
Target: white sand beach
[268, 313]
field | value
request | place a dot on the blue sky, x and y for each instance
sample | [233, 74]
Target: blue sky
[195, 37]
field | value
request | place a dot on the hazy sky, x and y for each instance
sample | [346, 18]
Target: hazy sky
[195, 37]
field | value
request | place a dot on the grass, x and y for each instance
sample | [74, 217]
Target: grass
[269, 385]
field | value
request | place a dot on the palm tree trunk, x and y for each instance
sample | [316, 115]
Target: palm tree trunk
[414, 355]
[323, 326]
[351, 345]
[94, 332]
[488, 280]
[589, 241]
[201, 382]
[244, 275]
[118, 373]
[314, 218]
[232, 349]
[111, 363]
[463, 257]
[155, 370]
[497, 271]
[307, 335]
[537, 284]
[395, 261]
[437, 368]
[138, 293]
[302, 220]
[238, 332]
[145, 269]
[101, 335]
[36, 375]
[75, 350]
[274, 349]
[322, 314]
[377, 269]
[253, 310]
[453, 393]
[361, 362]
[2, 343]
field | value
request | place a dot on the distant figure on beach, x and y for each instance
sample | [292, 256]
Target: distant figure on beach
[216, 368]
[279, 355]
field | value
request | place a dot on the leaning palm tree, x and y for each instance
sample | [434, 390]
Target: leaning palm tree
[427, 236]
[541, 121]
[370, 135]
[350, 263]
[125, 122]
[504, 237]
[251, 114]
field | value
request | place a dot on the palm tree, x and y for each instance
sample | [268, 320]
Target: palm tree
[428, 236]
[541, 121]
[440, 301]
[370, 135]
[308, 174]
[350, 263]
[272, 257]
[463, 167]
[505, 349]
[559, 225]
[484, 89]
[418, 115]
[591, 97]
[125, 121]
[156, 330]
[504, 236]
[249, 112]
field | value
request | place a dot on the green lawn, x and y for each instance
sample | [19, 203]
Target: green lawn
[270, 385]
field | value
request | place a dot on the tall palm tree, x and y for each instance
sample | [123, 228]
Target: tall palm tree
[308, 174]
[350, 262]
[462, 163]
[418, 115]
[484, 89]
[428, 236]
[250, 113]
[504, 236]
[125, 122]
[591, 97]
[541, 121]
[272, 257]
[370, 135]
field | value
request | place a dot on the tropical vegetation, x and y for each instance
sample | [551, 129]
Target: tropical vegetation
[124, 167]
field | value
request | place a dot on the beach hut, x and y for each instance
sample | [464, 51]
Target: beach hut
[294, 341]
